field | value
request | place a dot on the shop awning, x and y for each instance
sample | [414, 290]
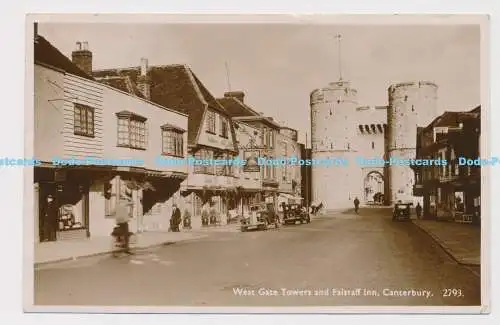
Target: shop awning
[290, 197]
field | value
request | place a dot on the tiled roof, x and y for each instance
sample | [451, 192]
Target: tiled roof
[453, 119]
[236, 108]
[122, 83]
[264, 119]
[178, 88]
[46, 53]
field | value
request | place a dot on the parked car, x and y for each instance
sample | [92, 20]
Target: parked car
[402, 211]
[293, 213]
[260, 218]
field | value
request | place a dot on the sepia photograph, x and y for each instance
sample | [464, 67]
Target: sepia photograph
[240, 163]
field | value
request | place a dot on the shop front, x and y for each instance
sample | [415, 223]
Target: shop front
[247, 197]
[63, 203]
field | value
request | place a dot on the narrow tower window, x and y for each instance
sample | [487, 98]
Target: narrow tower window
[406, 98]
[348, 146]
[412, 108]
[331, 145]
[373, 145]
[331, 112]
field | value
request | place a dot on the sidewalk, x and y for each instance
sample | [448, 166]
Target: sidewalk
[233, 227]
[50, 252]
[461, 241]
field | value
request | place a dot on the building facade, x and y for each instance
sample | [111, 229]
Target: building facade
[289, 176]
[452, 191]
[210, 132]
[266, 150]
[263, 147]
[97, 147]
[249, 176]
[354, 134]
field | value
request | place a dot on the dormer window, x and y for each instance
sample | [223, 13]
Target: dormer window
[132, 130]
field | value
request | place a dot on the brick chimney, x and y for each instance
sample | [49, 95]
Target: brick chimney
[143, 81]
[82, 57]
[239, 95]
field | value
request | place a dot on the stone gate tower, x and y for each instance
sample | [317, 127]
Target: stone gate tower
[411, 104]
[334, 134]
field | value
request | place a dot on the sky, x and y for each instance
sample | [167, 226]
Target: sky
[278, 65]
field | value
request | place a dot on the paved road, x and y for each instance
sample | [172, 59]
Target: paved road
[329, 259]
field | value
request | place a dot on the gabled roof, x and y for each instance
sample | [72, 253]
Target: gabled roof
[236, 108]
[49, 55]
[177, 87]
[266, 120]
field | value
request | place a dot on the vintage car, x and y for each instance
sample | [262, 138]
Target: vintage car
[402, 211]
[260, 218]
[293, 213]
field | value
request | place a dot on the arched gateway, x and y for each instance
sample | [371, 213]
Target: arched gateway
[373, 185]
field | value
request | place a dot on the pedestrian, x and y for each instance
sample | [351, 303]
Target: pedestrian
[50, 215]
[356, 204]
[418, 210]
[205, 214]
[187, 219]
[122, 218]
[213, 214]
[283, 208]
[175, 219]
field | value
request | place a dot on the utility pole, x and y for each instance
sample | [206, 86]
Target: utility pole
[339, 39]
[228, 79]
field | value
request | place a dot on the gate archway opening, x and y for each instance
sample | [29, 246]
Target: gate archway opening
[374, 187]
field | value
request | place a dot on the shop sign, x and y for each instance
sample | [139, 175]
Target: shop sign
[252, 164]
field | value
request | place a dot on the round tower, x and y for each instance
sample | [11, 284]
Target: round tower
[411, 104]
[334, 135]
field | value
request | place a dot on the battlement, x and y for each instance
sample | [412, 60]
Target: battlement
[411, 84]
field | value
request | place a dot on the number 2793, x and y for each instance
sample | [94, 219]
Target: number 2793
[457, 293]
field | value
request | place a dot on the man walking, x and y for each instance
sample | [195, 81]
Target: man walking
[418, 210]
[122, 218]
[356, 205]
[175, 219]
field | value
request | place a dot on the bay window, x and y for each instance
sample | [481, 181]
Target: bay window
[210, 122]
[224, 127]
[204, 154]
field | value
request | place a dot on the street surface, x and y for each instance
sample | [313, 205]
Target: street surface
[336, 260]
